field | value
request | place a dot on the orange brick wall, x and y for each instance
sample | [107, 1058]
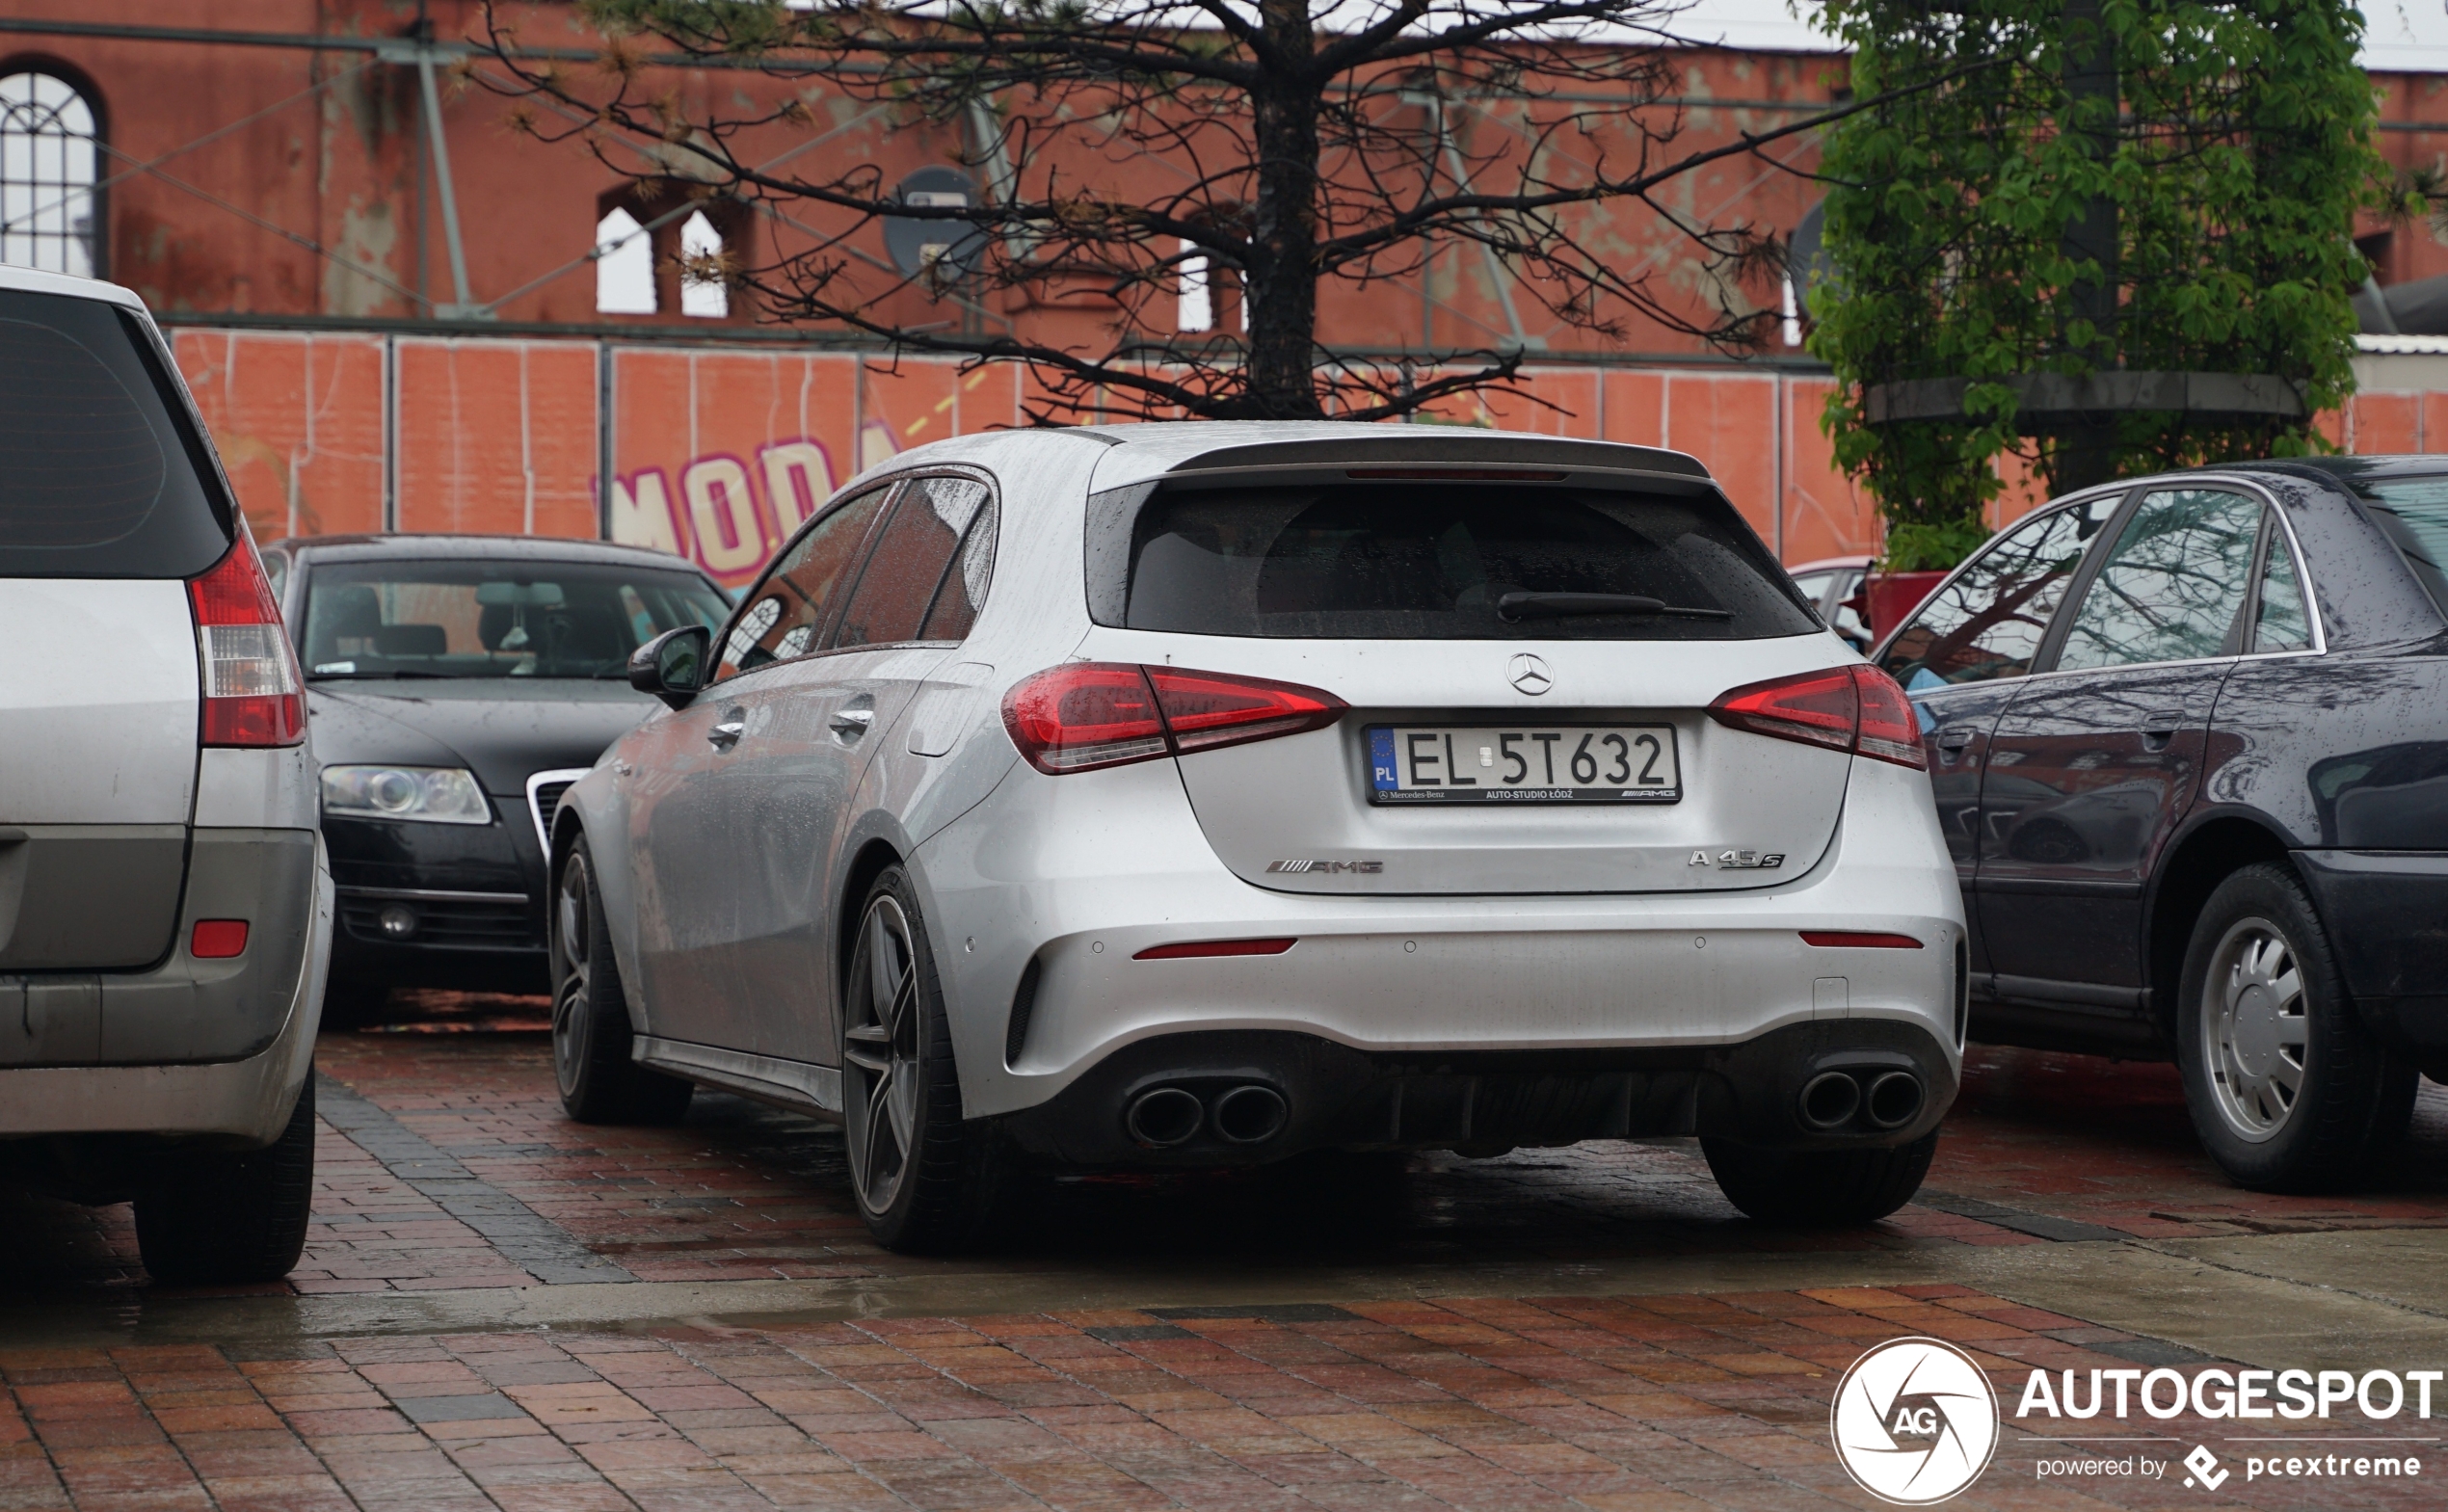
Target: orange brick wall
[717, 453]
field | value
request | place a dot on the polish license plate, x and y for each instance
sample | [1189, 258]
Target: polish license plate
[1525, 764]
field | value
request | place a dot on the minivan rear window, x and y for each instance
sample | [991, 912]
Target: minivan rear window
[1432, 560]
[98, 473]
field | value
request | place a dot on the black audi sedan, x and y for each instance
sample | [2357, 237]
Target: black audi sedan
[455, 685]
[2189, 742]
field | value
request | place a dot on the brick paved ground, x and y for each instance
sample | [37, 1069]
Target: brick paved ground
[1619, 1404]
[741, 1192]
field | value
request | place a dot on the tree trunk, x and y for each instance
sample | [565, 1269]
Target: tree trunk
[1279, 287]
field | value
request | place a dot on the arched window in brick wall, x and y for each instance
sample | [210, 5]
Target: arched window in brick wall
[50, 153]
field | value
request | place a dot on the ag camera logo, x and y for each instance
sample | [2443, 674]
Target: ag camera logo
[1915, 1421]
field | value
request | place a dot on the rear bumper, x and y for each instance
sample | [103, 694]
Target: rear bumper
[1407, 977]
[2387, 918]
[244, 1101]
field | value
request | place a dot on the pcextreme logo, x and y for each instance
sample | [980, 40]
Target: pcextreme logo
[1915, 1421]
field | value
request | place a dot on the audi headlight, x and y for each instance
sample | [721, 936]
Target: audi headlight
[428, 794]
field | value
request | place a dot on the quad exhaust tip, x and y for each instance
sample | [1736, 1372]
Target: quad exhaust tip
[1895, 1099]
[1165, 1117]
[1251, 1115]
[1830, 1099]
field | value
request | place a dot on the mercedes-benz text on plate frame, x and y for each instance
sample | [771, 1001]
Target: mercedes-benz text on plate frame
[1553, 764]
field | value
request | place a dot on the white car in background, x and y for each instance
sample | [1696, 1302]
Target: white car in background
[1206, 794]
[165, 906]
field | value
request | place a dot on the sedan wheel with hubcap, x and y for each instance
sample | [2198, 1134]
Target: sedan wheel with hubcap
[2288, 1089]
[2256, 1029]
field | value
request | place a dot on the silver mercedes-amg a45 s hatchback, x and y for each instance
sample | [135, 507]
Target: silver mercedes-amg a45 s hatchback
[1195, 795]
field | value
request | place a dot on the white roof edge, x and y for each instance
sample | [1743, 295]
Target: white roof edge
[2402, 346]
[35, 280]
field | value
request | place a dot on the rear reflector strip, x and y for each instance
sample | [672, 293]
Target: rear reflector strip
[1859, 940]
[1197, 948]
[218, 939]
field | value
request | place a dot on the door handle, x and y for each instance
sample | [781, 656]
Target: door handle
[1954, 739]
[2160, 729]
[852, 722]
[727, 734]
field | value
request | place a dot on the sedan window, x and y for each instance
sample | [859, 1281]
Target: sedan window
[1987, 623]
[2414, 512]
[786, 609]
[2281, 623]
[2173, 584]
[502, 617]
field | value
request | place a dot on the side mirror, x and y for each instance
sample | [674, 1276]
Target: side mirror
[672, 666]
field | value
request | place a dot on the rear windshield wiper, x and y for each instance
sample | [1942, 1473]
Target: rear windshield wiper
[1558, 606]
[369, 676]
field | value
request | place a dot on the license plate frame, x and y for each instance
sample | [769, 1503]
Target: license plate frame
[1393, 776]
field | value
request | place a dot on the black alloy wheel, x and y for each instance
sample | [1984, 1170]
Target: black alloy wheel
[922, 1176]
[2288, 1089]
[591, 1036]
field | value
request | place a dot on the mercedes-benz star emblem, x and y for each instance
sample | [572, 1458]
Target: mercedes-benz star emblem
[1915, 1421]
[1528, 675]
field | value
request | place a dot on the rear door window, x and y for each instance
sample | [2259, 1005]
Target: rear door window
[1987, 623]
[2173, 585]
[1435, 561]
[100, 474]
[912, 567]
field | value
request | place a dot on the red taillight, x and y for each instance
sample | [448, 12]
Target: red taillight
[1859, 940]
[1199, 950]
[252, 689]
[1089, 715]
[1858, 709]
[218, 939]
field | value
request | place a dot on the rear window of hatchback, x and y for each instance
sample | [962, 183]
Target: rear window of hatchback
[1431, 561]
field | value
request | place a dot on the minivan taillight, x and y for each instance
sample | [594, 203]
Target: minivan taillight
[252, 688]
[1089, 715]
[1857, 709]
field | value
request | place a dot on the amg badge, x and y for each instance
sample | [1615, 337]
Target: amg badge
[1371, 867]
[1740, 861]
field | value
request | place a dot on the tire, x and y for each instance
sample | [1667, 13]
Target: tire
[233, 1219]
[2288, 1090]
[1819, 1188]
[591, 1037]
[925, 1179]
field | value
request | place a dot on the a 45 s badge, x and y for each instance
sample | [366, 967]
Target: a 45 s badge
[1740, 861]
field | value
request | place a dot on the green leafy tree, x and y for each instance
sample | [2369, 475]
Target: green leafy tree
[2076, 187]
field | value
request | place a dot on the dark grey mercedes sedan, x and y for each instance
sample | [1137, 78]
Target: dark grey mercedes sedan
[455, 685]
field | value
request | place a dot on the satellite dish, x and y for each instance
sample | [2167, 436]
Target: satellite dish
[945, 250]
[1806, 259]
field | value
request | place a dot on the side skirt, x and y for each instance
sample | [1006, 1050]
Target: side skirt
[794, 1086]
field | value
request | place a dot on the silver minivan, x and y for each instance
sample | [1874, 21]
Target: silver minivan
[165, 907]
